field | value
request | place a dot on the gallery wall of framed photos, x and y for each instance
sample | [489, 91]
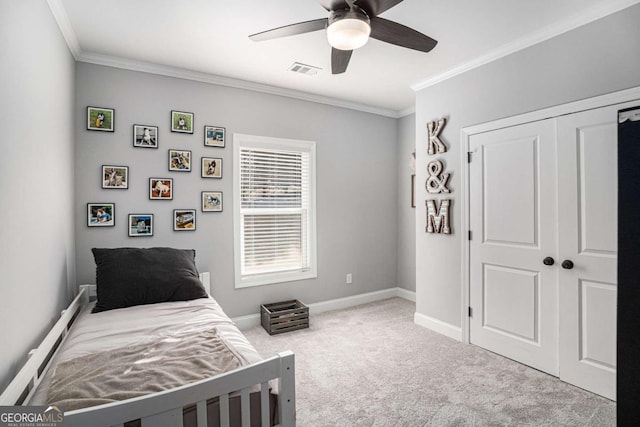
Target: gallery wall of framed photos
[356, 144]
[181, 158]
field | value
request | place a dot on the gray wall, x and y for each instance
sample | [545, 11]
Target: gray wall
[406, 231]
[36, 178]
[595, 59]
[356, 175]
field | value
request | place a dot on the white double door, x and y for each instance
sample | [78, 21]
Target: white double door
[547, 190]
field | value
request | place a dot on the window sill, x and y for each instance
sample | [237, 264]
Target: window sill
[273, 278]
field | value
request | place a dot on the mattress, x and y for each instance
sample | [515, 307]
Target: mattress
[114, 330]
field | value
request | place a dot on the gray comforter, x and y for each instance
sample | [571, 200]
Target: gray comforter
[137, 370]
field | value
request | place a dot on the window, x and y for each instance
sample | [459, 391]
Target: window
[274, 210]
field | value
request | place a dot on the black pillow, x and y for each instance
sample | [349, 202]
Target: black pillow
[133, 276]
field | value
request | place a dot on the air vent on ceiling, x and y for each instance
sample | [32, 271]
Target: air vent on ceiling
[308, 70]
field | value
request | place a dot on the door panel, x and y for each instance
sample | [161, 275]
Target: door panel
[597, 183]
[597, 342]
[510, 174]
[587, 191]
[510, 300]
[513, 213]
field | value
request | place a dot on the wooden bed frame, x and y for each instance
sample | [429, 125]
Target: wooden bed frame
[163, 409]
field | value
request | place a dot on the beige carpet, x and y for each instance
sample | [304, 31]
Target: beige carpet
[372, 366]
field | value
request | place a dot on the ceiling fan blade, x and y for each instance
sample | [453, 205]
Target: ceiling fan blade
[339, 60]
[333, 4]
[398, 34]
[376, 7]
[290, 30]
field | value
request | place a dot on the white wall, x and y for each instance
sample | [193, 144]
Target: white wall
[37, 266]
[595, 59]
[356, 179]
[406, 233]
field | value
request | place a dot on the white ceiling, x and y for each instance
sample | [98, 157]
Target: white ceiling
[209, 37]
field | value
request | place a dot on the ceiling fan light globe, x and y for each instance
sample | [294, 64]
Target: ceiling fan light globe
[348, 34]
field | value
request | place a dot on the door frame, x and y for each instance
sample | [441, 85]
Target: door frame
[609, 99]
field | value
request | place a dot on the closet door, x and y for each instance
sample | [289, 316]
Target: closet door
[587, 197]
[513, 218]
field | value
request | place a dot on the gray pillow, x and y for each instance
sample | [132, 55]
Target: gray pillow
[134, 276]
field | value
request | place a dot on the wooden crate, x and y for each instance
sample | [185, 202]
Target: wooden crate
[285, 316]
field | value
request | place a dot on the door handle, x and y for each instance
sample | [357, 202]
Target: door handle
[548, 261]
[567, 264]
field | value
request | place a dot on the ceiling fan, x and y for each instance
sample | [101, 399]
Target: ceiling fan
[349, 25]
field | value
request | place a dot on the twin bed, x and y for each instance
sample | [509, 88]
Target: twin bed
[154, 350]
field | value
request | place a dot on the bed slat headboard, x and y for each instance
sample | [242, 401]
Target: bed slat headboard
[205, 278]
[25, 382]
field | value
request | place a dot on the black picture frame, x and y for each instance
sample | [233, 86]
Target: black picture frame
[140, 225]
[182, 121]
[160, 188]
[179, 160]
[211, 201]
[413, 190]
[115, 177]
[211, 167]
[184, 220]
[145, 136]
[101, 214]
[214, 136]
[101, 119]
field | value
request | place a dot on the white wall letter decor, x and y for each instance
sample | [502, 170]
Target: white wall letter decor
[435, 144]
[436, 183]
[438, 219]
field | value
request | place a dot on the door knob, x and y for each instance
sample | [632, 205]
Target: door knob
[567, 264]
[548, 261]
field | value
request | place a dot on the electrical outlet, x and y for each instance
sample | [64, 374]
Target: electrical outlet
[349, 279]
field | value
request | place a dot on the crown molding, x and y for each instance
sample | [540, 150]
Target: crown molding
[62, 19]
[165, 70]
[407, 111]
[585, 17]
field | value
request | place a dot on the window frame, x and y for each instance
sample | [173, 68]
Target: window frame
[271, 143]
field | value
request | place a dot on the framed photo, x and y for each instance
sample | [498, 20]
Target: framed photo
[160, 189]
[413, 190]
[211, 167]
[179, 161]
[214, 136]
[101, 214]
[115, 177]
[212, 201]
[181, 122]
[184, 219]
[140, 225]
[100, 118]
[145, 136]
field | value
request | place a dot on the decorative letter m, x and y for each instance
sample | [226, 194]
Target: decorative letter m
[438, 219]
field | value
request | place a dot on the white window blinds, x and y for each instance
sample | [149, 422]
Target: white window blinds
[275, 218]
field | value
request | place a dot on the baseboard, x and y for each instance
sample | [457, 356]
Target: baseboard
[247, 322]
[406, 294]
[251, 320]
[438, 326]
[352, 301]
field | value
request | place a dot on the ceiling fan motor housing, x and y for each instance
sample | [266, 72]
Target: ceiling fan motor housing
[353, 13]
